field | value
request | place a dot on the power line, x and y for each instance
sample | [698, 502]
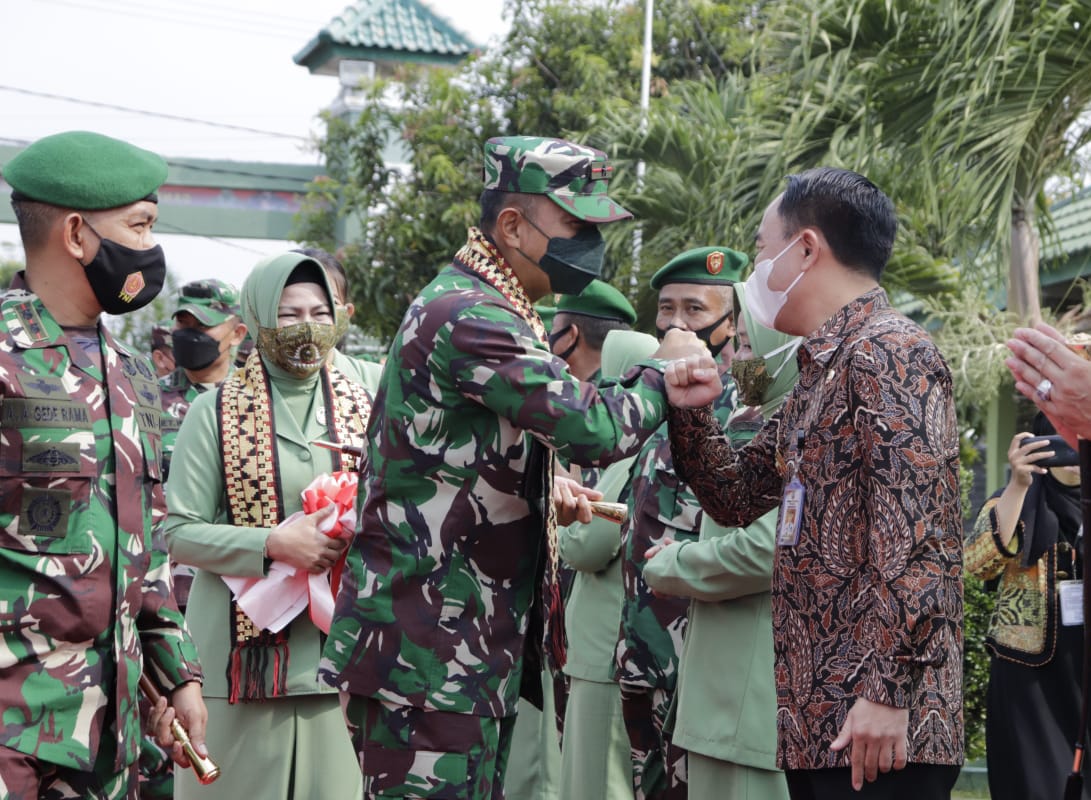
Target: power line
[157, 114]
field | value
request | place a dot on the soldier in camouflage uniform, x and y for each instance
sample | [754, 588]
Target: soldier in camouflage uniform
[207, 332]
[85, 588]
[694, 294]
[428, 636]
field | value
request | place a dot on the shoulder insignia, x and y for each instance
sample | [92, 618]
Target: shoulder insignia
[32, 323]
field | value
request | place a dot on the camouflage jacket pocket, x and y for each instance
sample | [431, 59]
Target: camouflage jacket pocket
[45, 481]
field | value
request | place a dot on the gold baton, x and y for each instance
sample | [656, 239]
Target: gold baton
[204, 767]
[615, 512]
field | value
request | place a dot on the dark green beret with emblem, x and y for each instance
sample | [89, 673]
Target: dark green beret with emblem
[601, 300]
[710, 265]
[571, 175]
[84, 171]
[211, 301]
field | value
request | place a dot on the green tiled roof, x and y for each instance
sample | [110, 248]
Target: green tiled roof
[1072, 219]
[385, 30]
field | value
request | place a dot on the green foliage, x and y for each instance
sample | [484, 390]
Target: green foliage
[977, 610]
[7, 272]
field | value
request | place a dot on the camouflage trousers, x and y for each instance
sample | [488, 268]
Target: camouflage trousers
[659, 768]
[414, 752]
[23, 777]
[155, 766]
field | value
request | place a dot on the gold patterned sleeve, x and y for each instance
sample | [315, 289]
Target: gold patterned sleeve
[985, 556]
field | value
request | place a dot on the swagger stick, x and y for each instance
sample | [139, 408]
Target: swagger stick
[206, 770]
[1073, 788]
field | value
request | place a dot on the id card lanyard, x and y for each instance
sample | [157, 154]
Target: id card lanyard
[790, 520]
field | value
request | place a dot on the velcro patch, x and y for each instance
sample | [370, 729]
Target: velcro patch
[44, 512]
[31, 412]
[51, 456]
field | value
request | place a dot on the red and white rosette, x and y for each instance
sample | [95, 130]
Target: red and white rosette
[275, 600]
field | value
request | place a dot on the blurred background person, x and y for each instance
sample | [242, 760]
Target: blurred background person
[1024, 542]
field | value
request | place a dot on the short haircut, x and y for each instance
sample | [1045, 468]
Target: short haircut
[852, 213]
[335, 270]
[593, 330]
[34, 220]
[493, 201]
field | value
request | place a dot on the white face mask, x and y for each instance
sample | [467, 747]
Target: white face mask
[764, 303]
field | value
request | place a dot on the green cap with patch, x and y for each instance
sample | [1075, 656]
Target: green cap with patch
[210, 301]
[571, 175]
[600, 300]
[708, 265]
[84, 171]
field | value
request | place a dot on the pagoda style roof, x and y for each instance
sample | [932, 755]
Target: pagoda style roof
[384, 31]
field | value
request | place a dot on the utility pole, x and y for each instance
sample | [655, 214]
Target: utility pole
[645, 93]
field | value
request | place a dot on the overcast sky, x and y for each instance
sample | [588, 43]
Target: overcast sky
[227, 62]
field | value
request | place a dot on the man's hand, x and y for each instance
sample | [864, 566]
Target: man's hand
[571, 500]
[878, 735]
[1041, 354]
[189, 708]
[693, 382]
[680, 344]
[302, 545]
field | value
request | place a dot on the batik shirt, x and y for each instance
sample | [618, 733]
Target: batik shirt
[869, 602]
[434, 601]
[661, 504]
[85, 590]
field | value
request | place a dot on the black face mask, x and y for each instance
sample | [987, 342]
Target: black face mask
[571, 264]
[124, 279]
[556, 337]
[194, 349]
[704, 334]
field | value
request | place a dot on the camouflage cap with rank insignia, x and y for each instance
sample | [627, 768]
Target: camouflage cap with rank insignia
[571, 175]
[710, 265]
[84, 171]
[210, 301]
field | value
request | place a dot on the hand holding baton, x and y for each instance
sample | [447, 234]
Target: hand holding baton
[615, 512]
[204, 767]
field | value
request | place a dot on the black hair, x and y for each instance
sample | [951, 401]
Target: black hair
[34, 220]
[593, 330]
[852, 213]
[335, 270]
[493, 201]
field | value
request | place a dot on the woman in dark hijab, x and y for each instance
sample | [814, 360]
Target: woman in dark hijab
[1024, 543]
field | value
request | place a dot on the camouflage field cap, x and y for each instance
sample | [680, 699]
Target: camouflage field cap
[571, 175]
[211, 301]
[710, 265]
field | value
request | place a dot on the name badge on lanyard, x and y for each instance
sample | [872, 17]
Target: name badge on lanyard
[790, 520]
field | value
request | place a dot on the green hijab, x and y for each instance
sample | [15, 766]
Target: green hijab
[779, 351]
[260, 300]
[622, 350]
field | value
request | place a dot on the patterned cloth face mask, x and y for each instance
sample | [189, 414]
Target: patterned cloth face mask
[300, 349]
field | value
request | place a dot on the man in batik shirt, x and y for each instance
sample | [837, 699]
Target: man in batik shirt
[85, 588]
[428, 636]
[863, 462]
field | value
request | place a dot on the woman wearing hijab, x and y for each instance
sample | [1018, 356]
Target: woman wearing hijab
[1024, 541]
[244, 454]
[726, 706]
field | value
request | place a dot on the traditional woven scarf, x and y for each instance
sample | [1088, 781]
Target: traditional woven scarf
[481, 257]
[244, 412]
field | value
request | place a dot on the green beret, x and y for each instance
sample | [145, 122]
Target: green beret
[547, 313]
[571, 175]
[710, 265]
[84, 171]
[210, 301]
[599, 299]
